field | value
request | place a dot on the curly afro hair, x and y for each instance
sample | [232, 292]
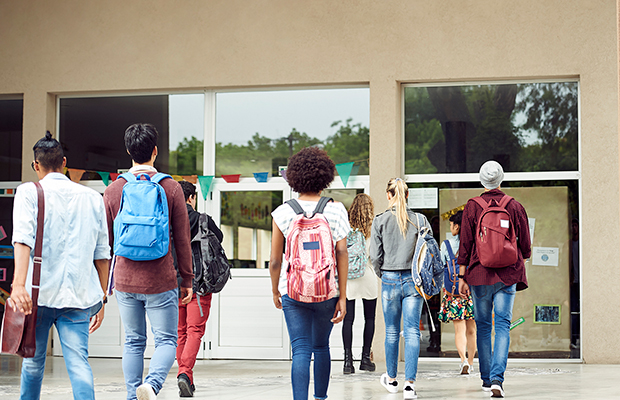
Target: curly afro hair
[310, 170]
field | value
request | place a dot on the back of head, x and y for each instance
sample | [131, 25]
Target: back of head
[491, 174]
[310, 170]
[457, 218]
[189, 189]
[361, 213]
[397, 188]
[140, 140]
[48, 153]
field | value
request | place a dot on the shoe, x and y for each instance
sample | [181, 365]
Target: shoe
[348, 362]
[496, 389]
[185, 386]
[366, 364]
[433, 348]
[486, 386]
[145, 392]
[391, 387]
[465, 368]
[409, 391]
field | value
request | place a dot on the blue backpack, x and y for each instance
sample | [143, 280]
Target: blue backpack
[141, 230]
[356, 246]
[451, 272]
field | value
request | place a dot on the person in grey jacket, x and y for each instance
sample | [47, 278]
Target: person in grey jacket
[393, 239]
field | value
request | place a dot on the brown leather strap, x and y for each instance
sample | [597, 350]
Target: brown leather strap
[38, 247]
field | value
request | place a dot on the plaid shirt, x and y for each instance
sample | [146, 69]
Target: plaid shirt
[476, 274]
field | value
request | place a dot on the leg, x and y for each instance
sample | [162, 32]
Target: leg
[298, 317]
[412, 312]
[72, 325]
[182, 334]
[347, 337]
[34, 368]
[321, 330]
[163, 312]
[460, 337]
[196, 325]
[391, 295]
[370, 307]
[470, 325]
[132, 311]
[483, 309]
[503, 300]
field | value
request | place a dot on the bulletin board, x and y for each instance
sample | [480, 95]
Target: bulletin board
[547, 270]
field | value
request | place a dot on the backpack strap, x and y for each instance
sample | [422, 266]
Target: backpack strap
[159, 176]
[449, 248]
[481, 202]
[295, 206]
[320, 207]
[128, 176]
[504, 201]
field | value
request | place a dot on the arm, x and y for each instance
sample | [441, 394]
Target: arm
[342, 265]
[376, 248]
[275, 262]
[103, 269]
[19, 295]
[180, 233]
[523, 233]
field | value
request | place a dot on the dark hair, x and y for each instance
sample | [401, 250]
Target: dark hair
[140, 140]
[48, 153]
[189, 189]
[310, 170]
[457, 218]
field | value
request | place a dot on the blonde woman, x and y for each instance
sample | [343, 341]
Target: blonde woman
[393, 238]
[361, 214]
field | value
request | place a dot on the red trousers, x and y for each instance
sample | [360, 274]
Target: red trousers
[191, 330]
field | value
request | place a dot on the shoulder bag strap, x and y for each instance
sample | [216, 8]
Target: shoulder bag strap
[481, 202]
[504, 201]
[320, 207]
[38, 246]
[295, 206]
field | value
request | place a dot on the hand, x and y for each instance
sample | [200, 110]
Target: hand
[21, 300]
[463, 288]
[277, 299]
[186, 295]
[340, 311]
[95, 322]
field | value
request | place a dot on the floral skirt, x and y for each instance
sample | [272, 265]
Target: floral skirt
[456, 308]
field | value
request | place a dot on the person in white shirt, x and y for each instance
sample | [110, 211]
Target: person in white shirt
[74, 270]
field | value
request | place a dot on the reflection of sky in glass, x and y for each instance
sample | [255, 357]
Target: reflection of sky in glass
[186, 117]
[274, 114]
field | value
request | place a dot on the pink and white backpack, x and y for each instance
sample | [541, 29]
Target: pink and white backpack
[311, 273]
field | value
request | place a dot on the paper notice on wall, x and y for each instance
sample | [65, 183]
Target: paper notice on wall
[546, 256]
[423, 198]
[532, 222]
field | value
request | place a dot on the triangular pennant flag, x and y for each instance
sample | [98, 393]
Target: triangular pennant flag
[191, 178]
[76, 174]
[205, 184]
[105, 177]
[355, 170]
[177, 178]
[114, 176]
[344, 170]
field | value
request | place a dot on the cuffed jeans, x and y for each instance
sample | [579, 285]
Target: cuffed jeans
[309, 326]
[163, 312]
[399, 298]
[489, 299]
[191, 330]
[72, 326]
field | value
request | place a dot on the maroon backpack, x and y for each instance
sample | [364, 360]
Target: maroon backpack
[496, 242]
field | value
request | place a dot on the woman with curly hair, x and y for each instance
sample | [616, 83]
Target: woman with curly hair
[364, 287]
[309, 324]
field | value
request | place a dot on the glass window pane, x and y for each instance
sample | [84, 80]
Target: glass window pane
[11, 116]
[259, 131]
[246, 225]
[526, 127]
[6, 263]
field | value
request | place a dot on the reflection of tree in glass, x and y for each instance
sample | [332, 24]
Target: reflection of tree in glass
[187, 158]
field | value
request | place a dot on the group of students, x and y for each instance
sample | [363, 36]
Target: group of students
[479, 297]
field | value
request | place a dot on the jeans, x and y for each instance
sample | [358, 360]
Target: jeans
[370, 307]
[191, 330]
[400, 298]
[72, 326]
[309, 326]
[489, 299]
[163, 312]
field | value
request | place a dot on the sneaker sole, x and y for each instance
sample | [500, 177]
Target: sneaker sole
[497, 393]
[185, 389]
[143, 393]
[408, 397]
[465, 370]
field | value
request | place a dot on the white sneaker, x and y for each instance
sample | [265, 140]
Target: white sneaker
[146, 392]
[465, 368]
[409, 391]
[392, 386]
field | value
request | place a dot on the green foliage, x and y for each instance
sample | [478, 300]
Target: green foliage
[349, 143]
[187, 159]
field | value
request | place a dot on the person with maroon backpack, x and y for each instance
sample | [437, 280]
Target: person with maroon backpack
[495, 241]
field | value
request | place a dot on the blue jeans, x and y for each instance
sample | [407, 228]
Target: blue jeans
[309, 326]
[163, 312]
[399, 298]
[72, 326]
[489, 299]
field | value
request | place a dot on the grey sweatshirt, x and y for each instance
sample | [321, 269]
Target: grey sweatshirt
[389, 250]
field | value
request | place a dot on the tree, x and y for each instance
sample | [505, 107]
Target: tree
[188, 157]
[349, 143]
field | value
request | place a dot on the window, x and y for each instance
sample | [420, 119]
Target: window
[11, 116]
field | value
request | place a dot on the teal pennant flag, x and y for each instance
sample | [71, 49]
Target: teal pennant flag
[344, 170]
[105, 177]
[205, 184]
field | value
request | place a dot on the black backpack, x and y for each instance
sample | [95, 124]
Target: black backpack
[211, 266]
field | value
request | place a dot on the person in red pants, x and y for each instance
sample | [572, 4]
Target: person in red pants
[192, 316]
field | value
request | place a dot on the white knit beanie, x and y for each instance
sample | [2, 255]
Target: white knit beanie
[491, 174]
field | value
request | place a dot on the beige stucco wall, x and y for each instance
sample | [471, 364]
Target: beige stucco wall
[50, 48]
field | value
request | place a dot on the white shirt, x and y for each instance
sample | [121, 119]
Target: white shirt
[75, 233]
[335, 213]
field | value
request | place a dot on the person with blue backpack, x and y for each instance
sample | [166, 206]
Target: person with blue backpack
[394, 242]
[145, 211]
[454, 307]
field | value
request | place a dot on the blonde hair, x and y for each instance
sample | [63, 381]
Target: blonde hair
[361, 213]
[398, 203]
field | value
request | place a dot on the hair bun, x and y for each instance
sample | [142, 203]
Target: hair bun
[48, 135]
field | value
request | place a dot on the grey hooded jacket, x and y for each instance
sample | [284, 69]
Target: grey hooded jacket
[389, 250]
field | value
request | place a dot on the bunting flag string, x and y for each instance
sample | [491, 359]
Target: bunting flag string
[344, 170]
[76, 175]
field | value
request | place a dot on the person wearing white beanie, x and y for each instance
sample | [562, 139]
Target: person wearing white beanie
[491, 174]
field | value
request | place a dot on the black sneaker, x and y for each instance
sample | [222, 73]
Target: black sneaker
[486, 386]
[185, 386]
[496, 389]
